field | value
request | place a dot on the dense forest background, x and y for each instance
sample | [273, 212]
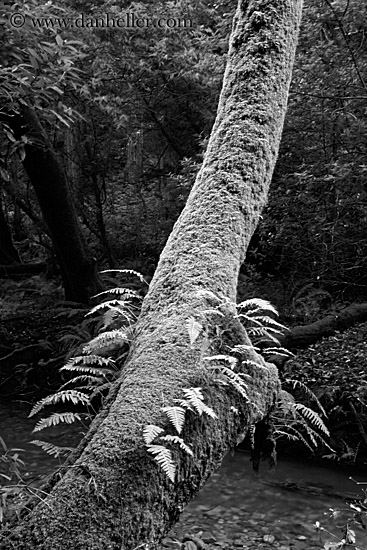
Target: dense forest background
[128, 114]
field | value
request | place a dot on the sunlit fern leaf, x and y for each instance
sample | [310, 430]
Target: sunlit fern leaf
[73, 396]
[92, 371]
[278, 351]
[121, 307]
[55, 419]
[105, 340]
[176, 416]
[127, 272]
[86, 360]
[263, 336]
[52, 449]
[268, 322]
[193, 328]
[129, 292]
[257, 303]
[307, 391]
[268, 325]
[150, 432]
[163, 457]
[196, 399]
[312, 417]
[179, 441]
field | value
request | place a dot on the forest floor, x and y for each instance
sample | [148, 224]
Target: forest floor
[38, 331]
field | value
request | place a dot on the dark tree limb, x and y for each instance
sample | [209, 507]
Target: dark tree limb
[303, 336]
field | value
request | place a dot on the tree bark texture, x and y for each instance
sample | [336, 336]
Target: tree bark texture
[80, 278]
[112, 495]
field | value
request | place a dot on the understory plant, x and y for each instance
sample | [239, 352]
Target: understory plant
[95, 364]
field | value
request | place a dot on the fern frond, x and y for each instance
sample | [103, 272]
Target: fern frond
[176, 416]
[150, 432]
[106, 339]
[121, 291]
[121, 307]
[279, 351]
[195, 397]
[52, 449]
[179, 441]
[163, 457]
[263, 336]
[92, 371]
[127, 272]
[307, 391]
[86, 360]
[312, 417]
[270, 325]
[259, 304]
[76, 397]
[55, 419]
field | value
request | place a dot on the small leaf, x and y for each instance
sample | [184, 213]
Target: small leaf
[176, 416]
[194, 328]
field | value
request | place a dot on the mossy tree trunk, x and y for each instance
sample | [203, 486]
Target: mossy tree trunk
[78, 269]
[112, 495]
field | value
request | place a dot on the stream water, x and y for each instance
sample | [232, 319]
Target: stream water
[236, 508]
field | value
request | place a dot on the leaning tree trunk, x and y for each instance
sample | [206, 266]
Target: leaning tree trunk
[78, 269]
[113, 495]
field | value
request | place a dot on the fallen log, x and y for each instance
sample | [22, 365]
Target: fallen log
[303, 336]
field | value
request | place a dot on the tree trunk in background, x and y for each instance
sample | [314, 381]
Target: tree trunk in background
[8, 252]
[78, 269]
[113, 495]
